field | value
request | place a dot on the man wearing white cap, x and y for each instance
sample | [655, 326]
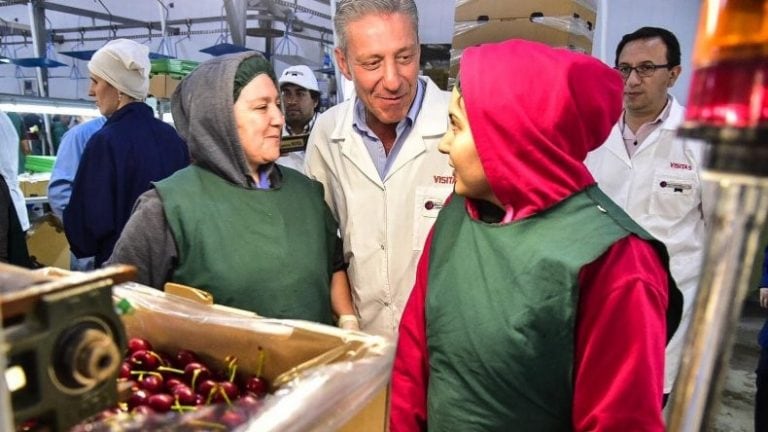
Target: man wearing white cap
[301, 99]
[121, 160]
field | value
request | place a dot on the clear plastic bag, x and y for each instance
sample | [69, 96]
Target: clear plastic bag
[323, 375]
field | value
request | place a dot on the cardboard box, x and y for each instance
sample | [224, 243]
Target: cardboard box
[34, 185]
[162, 86]
[344, 387]
[559, 23]
[47, 243]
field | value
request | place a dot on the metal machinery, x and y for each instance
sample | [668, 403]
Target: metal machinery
[728, 109]
[62, 345]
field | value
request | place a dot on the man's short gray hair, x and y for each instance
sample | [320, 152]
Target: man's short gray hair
[352, 10]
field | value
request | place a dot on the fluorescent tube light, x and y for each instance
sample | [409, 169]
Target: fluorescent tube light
[31, 104]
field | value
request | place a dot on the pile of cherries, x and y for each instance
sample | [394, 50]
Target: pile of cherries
[181, 383]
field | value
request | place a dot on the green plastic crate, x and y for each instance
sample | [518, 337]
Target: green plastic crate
[174, 67]
[35, 163]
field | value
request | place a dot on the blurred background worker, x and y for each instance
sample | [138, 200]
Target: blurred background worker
[301, 101]
[13, 213]
[121, 159]
[650, 173]
[63, 175]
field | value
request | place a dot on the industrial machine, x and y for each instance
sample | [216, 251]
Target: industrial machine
[63, 344]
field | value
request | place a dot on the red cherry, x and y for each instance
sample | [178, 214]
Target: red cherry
[137, 398]
[250, 401]
[232, 418]
[160, 402]
[230, 389]
[171, 383]
[144, 360]
[196, 372]
[142, 410]
[28, 425]
[152, 383]
[125, 370]
[257, 385]
[108, 413]
[138, 344]
[225, 388]
[184, 394]
[199, 399]
[185, 357]
[206, 387]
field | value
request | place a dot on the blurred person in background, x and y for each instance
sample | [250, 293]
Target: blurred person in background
[254, 235]
[650, 173]
[59, 126]
[9, 167]
[63, 175]
[121, 159]
[18, 124]
[13, 211]
[301, 102]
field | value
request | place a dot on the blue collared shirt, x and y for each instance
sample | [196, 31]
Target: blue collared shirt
[67, 159]
[373, 144]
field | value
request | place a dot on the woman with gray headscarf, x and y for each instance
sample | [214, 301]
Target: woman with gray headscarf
[119, 162]
[256, 236]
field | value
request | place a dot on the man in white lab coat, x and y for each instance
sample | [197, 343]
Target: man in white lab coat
[376, 155]
[650, 173]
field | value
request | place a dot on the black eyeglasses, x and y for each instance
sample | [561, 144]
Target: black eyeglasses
[643, 70]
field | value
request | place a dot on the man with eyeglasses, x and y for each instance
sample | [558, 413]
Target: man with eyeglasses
[650, 173]
[301, 100]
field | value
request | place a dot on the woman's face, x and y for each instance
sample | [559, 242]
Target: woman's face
[107, 97]
[259, 121]
[459, 145]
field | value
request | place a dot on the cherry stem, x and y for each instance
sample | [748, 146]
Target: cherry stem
[139, 373]
[177, 406]
[231, 367]
[232, 372]
[194, 377]
[210, 394]
[261, 362]
[226, 398]
[170, 369]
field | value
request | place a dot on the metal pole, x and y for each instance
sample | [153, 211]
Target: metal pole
[740, 213]
[39, 38]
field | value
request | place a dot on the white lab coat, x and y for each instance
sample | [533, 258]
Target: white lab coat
[661, 189]
[383, 223]
[9, 167]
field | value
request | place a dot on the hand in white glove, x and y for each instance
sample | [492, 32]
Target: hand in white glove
[349, 322]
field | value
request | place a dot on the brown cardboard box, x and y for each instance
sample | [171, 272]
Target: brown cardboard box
[484, 21]
[47, 243]
[34, 185]
[353, 367]
[162, 86]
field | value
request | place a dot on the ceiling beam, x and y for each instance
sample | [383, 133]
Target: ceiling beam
[185, 22]
[155, 25]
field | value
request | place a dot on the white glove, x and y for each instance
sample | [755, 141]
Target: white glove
[349, 322]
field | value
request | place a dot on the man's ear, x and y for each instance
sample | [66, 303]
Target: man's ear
[341, 61]
[674, 73]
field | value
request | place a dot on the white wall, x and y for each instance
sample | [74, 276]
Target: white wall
[619, 17]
